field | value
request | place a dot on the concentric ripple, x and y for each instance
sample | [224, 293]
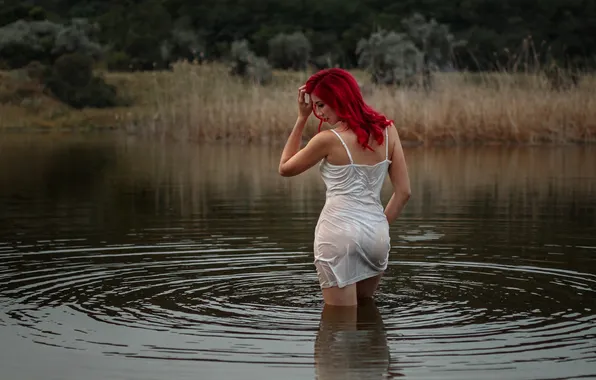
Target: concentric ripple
[126, 261]
[212, 300]
[197, 292]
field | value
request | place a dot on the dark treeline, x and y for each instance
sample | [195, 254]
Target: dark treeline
[495, 31]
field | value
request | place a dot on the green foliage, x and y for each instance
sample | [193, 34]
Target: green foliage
[324, 61]
[37, 14]
[71, 80]
[24, 41]
[289, 51]
[184, 43]
[434, 40]
[494, 29]
[241, 56]
[259, 71]
[139, 29]
[77, 38]
[246, 64]
[12, 11]
[390, 57]
[118, 61]
[404, 58]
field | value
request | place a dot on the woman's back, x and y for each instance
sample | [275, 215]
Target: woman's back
[356, 173]
[338, 154]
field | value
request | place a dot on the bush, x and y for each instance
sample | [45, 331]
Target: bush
[183, 43]
[434, 40]
[403, 58]
[324, 61]
[289, 51]
[71, 80]
[37, 13]
[24, 41]
[76, 38]
[118, 61]
[390, 58]
[246, 64]
[259, 71]
[35, 71]
[145, 53]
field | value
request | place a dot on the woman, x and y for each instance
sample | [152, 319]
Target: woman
[351, 244]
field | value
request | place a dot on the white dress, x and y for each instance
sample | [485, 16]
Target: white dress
[352, 234]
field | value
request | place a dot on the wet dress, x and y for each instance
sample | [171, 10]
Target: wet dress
[352, 234]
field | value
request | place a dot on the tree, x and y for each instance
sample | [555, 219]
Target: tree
[246, 64]
[24, 41]
[143, 29]
[401, 58]
[289, 51]
[390, 57]
[435, 42]
[71, 80]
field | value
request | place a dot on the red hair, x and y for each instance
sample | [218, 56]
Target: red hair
[338, 89]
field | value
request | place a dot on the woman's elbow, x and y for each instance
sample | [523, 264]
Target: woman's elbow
[406, 193]
[284, 172]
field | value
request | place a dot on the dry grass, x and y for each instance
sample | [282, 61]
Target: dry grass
[195, 102]
[24, 106]
[500, 109]
[203, 103]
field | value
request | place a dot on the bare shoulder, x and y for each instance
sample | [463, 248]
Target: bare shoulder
[326, 134]
[325, 138]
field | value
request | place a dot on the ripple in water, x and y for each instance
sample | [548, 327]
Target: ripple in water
[209, 299]
[247, 301]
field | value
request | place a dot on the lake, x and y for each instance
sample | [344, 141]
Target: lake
[128, 259]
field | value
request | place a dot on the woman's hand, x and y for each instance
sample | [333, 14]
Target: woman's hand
[304, 108]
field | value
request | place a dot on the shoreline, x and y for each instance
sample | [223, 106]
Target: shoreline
[117, 132]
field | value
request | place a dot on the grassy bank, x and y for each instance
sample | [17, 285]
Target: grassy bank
[194, 102]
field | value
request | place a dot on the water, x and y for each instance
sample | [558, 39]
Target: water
[123, 259]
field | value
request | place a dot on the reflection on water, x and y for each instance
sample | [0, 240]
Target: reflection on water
[352, 343]
[130, 260]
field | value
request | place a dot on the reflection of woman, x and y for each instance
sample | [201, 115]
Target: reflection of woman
[352, 343]
[351, 244]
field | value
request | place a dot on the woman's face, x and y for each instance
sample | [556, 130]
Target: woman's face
[323, 110]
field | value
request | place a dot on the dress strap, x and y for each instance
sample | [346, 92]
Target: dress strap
[386, 143]
[344, 144]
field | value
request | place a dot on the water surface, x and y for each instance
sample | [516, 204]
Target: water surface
[125, 259]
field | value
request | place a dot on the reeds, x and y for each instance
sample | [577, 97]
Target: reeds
[204, 103]
[499, 110]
